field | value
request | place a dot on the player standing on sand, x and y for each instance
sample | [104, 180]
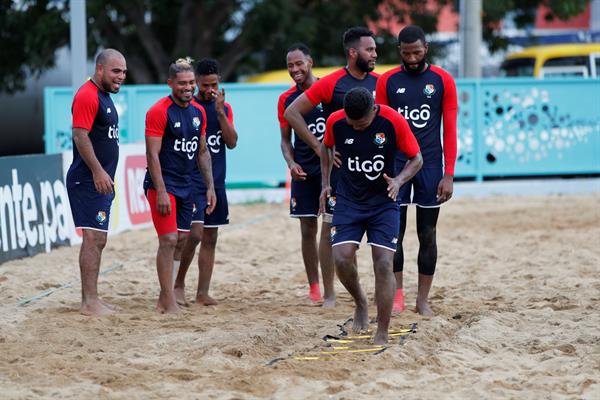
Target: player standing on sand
[367, 138]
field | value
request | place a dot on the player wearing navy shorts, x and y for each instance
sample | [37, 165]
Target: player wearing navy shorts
[305, 171]
[175, 147]
[220, 135]
[91, 175]
[328, 92]
[425, 95]
[367, 138]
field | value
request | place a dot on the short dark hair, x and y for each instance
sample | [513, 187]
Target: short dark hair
[352, 37]
[180, 65]
[299, 46]
[357, 102]
[411, 34]
[207, 66]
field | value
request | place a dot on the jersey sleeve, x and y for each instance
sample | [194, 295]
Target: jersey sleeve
[229, 113]
[156, 121]
[85, 108]
[329, 139]
[321, 91]
[405, 139]
[280, 110]
[381, 96]
[449, 115]
[203, 126]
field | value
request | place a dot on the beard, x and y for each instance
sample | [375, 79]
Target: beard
[363, 65]
[408, 67]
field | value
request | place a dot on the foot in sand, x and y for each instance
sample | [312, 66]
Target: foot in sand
[381, 337]
[361, 319]
[180, 296]
[424, 309]
[329, 302]
[95, 308]
[205, 300]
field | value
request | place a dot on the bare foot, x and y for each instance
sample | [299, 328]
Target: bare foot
[205, 300]
[95, 308]
[329, 302]
[166, 304]
[424, 309]
[361, 319]
[180, 296]
[381, 337]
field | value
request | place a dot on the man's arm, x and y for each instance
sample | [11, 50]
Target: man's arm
[102, 181]
[326, 163]
[449, 115]
[287, 150]
[153, 146]
[205, 167]
[412, 166]
[294, 115]
[228, 132]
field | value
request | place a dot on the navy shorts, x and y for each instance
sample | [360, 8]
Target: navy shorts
[304, 199]
[90, 209]
[423, 187]
[199, 203]
[381, 224]
[220, 215]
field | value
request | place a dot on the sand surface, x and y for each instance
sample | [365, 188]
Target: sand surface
[516, 297]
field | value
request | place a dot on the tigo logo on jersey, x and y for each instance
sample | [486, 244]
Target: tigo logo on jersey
[318, 128]
[214, 142]
[196, 122]
[101, 217]
[187, 146]
[429, 90]
[417, 117]
[379, 138]
[371, 168]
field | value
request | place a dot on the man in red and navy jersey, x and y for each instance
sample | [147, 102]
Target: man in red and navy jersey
[220, 135]
[91, 175]
[425, 95]
[175, 146]
[305, 170]
[360, 50]
[367, 138]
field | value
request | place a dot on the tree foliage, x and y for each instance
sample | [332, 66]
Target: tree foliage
[246, 36]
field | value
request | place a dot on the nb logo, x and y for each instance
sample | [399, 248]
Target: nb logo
[418, 117]
[371, 168]
[401, 90]
[177, 125]
[349, 141]
[108, 110]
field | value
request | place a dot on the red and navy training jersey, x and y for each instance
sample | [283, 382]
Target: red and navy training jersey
[423, 99]
[315, 120]
[215, 144]
[180, 129]
[94, 111]
[331, 89]
[367, 155]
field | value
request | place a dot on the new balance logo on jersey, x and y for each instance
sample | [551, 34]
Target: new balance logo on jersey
[187, 146]
[108, 110]
[401, 90]
[418, 117]
[348, 141]
[371, 168]
[177, 125]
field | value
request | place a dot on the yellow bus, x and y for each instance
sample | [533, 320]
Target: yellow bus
[576, 59]
[282, 75]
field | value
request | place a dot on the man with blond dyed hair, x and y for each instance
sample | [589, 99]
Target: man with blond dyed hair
[175, 145]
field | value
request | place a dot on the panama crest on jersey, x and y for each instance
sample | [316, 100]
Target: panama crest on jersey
[379, 139]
